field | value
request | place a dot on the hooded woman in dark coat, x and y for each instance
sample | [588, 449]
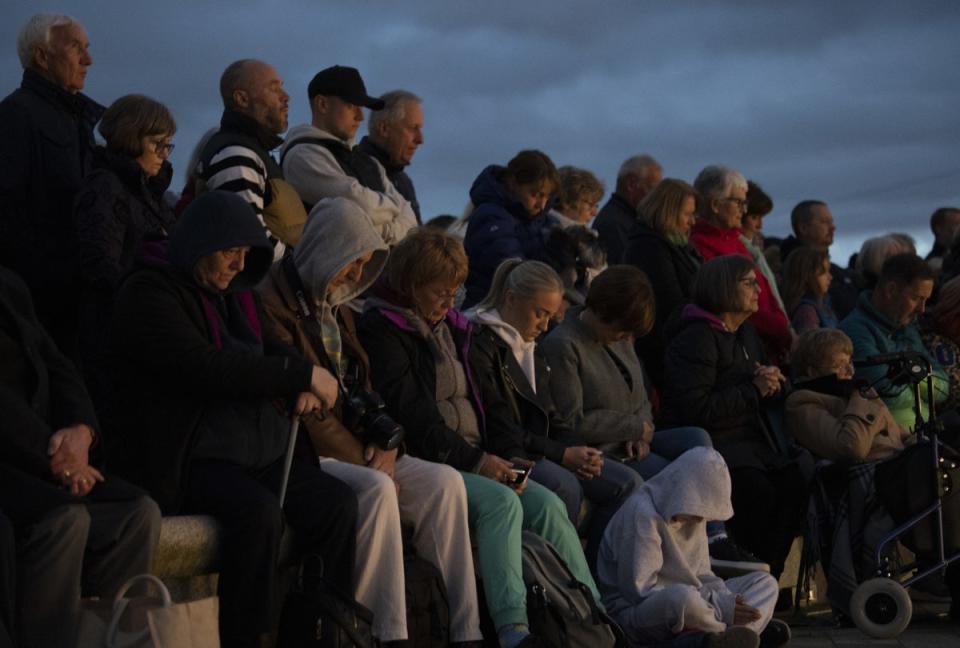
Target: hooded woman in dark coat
[201, 423]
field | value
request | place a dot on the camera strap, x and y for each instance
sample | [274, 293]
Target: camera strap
[306, 315]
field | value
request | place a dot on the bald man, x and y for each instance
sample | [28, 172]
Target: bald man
[238, 157]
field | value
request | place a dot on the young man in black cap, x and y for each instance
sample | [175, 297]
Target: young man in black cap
[321, 161]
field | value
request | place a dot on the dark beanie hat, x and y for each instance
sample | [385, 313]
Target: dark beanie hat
[220, 220]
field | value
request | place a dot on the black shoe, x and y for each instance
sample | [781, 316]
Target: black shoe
[531, 641]
[725, 555]
[777, 633]
[735, 637]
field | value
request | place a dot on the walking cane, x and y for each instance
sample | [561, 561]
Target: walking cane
[288, 459]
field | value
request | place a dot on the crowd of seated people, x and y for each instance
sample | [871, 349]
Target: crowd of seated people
[660, 362]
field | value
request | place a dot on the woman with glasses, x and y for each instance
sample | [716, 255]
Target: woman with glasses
[420, 363]
[119, 208]
[717, 378]
[723, 193]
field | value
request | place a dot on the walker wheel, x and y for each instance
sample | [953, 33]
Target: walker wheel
[881, 608]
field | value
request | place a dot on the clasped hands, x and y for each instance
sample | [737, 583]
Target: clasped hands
[767, 379]
[69, 452]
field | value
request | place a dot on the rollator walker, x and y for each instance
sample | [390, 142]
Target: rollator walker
[880, 606]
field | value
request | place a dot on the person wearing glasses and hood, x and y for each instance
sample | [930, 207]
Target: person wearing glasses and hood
[723, 193]
[654, 567]
[305, 299]
[202, 422]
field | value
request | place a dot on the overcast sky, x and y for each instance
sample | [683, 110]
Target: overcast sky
[855, 103]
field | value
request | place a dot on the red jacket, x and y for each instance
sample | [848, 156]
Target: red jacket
[770, 320]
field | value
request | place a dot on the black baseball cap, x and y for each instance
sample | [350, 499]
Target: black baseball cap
[345, 83]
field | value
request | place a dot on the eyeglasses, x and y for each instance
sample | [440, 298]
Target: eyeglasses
[160, 147]
[751, 283]
[741, 203]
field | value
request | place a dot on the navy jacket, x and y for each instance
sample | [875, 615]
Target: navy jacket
[499, 228]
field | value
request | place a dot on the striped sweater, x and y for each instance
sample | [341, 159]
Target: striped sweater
[237, 159]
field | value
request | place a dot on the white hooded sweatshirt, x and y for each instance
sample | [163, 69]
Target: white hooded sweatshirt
[646, 553]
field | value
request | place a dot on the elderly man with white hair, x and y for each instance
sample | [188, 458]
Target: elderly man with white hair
[46, 130]
[394, 134]
[638, 175]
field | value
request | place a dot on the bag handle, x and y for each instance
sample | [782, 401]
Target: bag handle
[120, 603]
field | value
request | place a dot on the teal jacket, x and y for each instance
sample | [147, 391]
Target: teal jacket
[872, 333]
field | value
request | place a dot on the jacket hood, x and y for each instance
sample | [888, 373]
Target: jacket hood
[487, 188]
[337, 232]
[309, 130]
[695, 483]
[220, 220]
[521, 349]
[693, 313]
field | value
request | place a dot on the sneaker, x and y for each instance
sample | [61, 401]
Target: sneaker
[725, 555]
[777, 633]
[735, 637]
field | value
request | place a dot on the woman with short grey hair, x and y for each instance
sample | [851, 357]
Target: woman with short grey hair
[717, 233]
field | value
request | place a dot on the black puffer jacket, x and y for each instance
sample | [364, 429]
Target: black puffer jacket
[115, 212]
[520, 422]
[671, 269]
[709, 383]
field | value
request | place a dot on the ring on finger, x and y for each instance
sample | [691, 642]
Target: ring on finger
[66, 473]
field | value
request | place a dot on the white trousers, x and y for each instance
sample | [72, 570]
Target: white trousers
[665, 613]
[433, 501]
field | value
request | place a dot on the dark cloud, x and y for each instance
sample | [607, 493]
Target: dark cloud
[855, 103]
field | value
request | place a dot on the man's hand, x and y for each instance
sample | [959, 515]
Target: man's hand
[638, 449]
[585, 461]
[324, 386]
[70, 460]
[743, 613]
[380, 459]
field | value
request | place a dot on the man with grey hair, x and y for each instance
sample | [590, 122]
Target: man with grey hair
[393, 135]
[321, 161]
[638, 175]
[46, 130]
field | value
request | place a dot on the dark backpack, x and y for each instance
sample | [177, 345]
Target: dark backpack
[561, 609]
[428, 609]
[315, 615]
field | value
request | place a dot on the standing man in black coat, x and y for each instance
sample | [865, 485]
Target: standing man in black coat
[395, 133]
[46, 148]
[73, 526]
[637, 177]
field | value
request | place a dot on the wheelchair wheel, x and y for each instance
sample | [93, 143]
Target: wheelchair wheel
[881, 608]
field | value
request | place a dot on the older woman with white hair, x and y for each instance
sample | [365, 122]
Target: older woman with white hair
[723, 193]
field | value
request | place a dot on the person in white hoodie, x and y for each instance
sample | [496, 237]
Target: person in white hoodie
[321, 161]
[654, 567]
[338, 256]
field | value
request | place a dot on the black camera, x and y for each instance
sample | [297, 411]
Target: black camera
[365, 409]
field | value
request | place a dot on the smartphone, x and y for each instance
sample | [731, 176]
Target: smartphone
[519, 473]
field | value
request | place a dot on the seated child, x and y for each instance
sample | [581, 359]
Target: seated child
[654, 568]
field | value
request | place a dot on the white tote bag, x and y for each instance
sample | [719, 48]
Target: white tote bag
[168, 625]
